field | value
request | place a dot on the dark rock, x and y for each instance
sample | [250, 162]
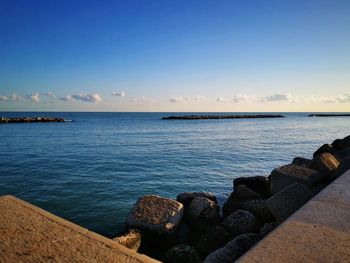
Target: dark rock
[233, 249]
[340, 144]
[182, 254]
[258, 208]
[267, 228]
[288, 174]
[259, 184]
[342, 168]
[202, 212]
[182, 233]
[241, 222]
[187, 197]
[324, 163]
[301, 161]
[244, 193]
[156, 215]
[287, 201]
[211, 117]
[232, 204]
[131, 240]
[325, 148]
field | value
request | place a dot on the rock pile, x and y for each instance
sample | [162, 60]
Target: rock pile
[30, 119]
[192, 229]
[214, 117]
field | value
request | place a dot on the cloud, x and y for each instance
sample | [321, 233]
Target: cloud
[340, 99]
[279, 97]
[94, 98]
[119, 94]
[197, 98]
[235, 99]
[34, 97]
[15, 97]
[222, 100]
[176, 99]
[200, 98]
[141, 100]
[3, 98]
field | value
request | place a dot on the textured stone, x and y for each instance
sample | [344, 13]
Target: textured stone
[340, 144]
[301, 161]
[187, 197]
[258, 208]
[324, 163]
[267, 228]
[245, 193]
[259, 184]
[325, 148]
[182, 254]
[156, 215]
[203, 211]
[132, 239]
[287, 201]
[288, 174]
[241, 222]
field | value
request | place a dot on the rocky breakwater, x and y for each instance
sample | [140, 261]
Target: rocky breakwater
[213, 117]
[30, 119]
[191, 228]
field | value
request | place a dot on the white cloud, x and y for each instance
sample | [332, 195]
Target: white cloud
[93, 98]
[15, 97]
[177, 99]
[200, 98]
[3, 98]
[66, 98]
[141, 100]
[34, 97]
[119, 94]
[279, 97]
[222, 100]
[239, 98]
[339, 99]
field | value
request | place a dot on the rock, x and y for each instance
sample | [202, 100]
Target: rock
[156, 215]
[241, 222]
[131, 240]
[342, 168]
[232, 204]
[287, 201]
[340, 144]
[202, 212]
[213, 239]
[187, 197]
[233, 249]
[182, 254]
[267, 228]
[325, 148]
[301, 161]
[324, 163]
[245, 193]
[258, 208]
[288, 174]
[259, 184]
[182, 233]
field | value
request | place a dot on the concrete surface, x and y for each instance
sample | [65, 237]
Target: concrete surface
[30, 234]
[318, 232]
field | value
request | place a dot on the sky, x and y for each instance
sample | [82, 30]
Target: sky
[146, 55]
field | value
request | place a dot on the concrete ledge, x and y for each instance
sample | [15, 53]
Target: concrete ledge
[30, 234]
[318, 232]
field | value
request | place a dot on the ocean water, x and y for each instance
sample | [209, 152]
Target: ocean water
[93, 169]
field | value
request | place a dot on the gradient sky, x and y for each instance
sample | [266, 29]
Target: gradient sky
[174, 55]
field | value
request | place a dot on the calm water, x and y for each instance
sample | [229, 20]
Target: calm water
[92, 170]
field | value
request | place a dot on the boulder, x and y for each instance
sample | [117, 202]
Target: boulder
[267, 228]
[232, 204]
[182, 254]
[182, 233]
[287, 201]
[233, 249]
[156, 215]
[288, 174]
[202, 212]
[131, 240]
[340, 144]
[241, 222]
[324, 163]
[301, 161]
[325, 148]
[258, 208]
[213, 239]
[187, 197]
[259, 184]
[244, 193]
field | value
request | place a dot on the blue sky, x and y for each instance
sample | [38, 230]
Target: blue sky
[175, 55]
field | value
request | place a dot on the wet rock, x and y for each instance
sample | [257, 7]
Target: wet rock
[301, 161]
[258, 208]
[233, 249]
[187, 197]
[340, 144]
[325, 148]
[287, 201]
[241, 222]
[202, 212]
[131, 240]
[259, 184]
[288, 174]
[267, 228]
[324, 163]
[245, 193]
[156, 215]
[182, 254]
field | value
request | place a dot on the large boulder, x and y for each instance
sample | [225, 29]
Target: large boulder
[202, 212]
[241, 222]
[267, 228]
[301, 161]
[156, 215]
[258, 208]
[287, 201]
[259, 184]
[182, 254]
[325, 148]
[288, 174]
[187, 197]
[131, 240]
[324, 163]
[340, 144]
[244, 193]
[231, 205]
[233, 249]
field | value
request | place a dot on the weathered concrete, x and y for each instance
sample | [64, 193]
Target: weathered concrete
[318, 232]
[30, 234]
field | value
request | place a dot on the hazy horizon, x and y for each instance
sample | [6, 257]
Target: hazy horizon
[175, 56]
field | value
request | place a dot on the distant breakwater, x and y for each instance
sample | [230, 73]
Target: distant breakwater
[214, 117]
[329, 115]
[30, 119]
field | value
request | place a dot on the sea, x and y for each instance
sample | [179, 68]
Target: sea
[92, 169]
